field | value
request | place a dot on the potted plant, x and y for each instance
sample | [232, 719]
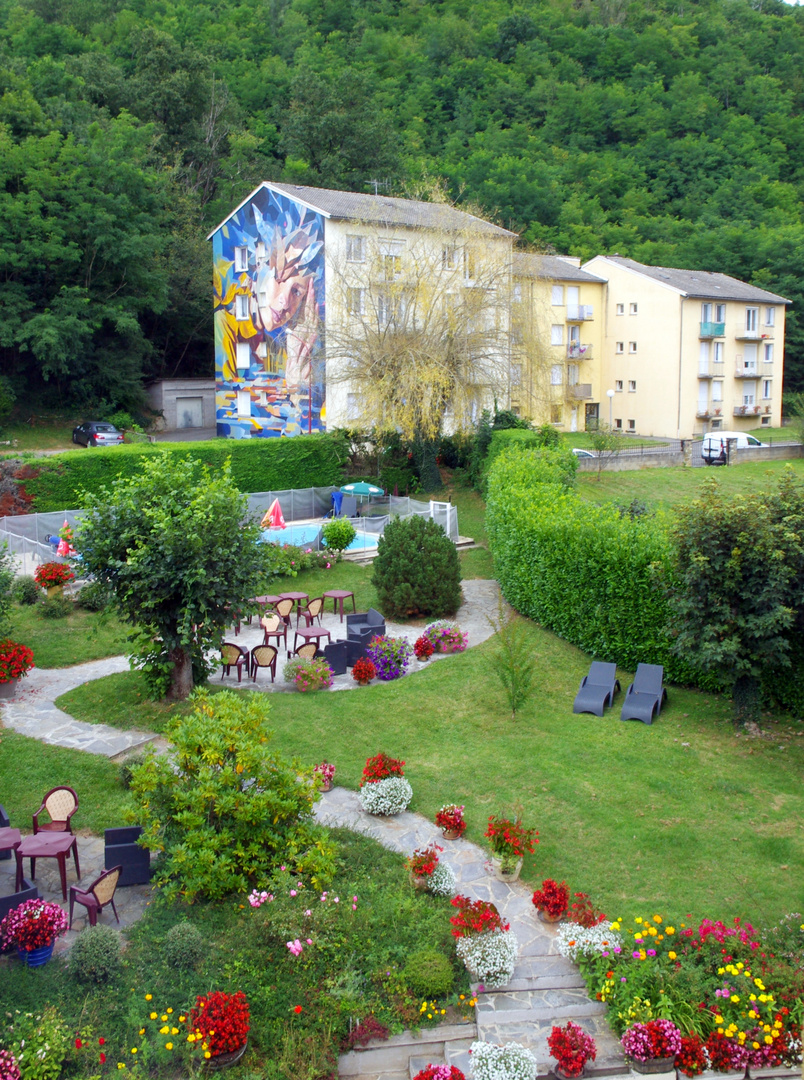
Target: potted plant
[390, 656]
[450, 820]
[220, 1022]
[652, 1047]
[53, 576]
[33, 928]
[510, 839]
[445, 636]
[325, 772]
[15, 661]
[421, 865]
[384, 789]
[308, 675]
[551, 902]
[363, 671]
[439, 1072]
[486, 944]
[511, 1061]
[572, 1048]
[423, 648]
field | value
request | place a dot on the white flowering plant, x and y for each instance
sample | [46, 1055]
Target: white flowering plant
[490, 958]
[574, 941]
[509, 1062]
[389, 796]
[442, 881]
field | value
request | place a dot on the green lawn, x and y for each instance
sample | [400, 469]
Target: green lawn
[665, 486]
[82, 636]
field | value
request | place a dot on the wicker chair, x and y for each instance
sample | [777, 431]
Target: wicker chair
[307, 651]
[97, 896]
[60, 804]
[274, 627]
[233, 656]
[263, 656]
[311, 612]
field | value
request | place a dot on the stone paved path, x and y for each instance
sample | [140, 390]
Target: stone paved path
[545, 988]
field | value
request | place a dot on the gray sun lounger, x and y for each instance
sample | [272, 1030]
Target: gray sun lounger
[597, 689]
[348, 507]
[646, 694]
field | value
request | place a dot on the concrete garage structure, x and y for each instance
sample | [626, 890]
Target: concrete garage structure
[183, 403]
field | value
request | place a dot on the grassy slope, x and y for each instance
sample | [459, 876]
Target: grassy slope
[82, 636]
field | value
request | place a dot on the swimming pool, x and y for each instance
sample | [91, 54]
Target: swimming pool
[309, 536]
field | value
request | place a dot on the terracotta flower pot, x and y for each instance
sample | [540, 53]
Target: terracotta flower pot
[544, 916]
[508, 875]
[452, 834]
[419, 881]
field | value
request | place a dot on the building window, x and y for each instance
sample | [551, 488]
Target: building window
[632, 386]
[632, 309]
[632, 346]
[706, 312]
[557, 334]
[748, 399]
[767, 388]
[764, 421]
[618, 424]
[716, 425]
[572, 374]
[618, 384]
[718, 352]
[241, 306]
[720, 313]
[243, 355]
[516, 374]
[391, 254]
[620, 309]
[355, 301]
[717, 390]
[555, 414]
[449, 258]
[768, 352]
[243, 403]
[260, 251]
[558, 294]
[355, 249]
[241, 259]
[556, 375]
[751, 319]
[517, 293]
[352, 408]
[632, 425]
[770, 316]
[619, 347]
[385, 309]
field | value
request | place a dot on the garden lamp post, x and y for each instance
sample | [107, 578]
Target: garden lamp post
[610, 396]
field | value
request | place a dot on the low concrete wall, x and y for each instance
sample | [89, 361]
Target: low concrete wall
[631, 462]
[768, 453]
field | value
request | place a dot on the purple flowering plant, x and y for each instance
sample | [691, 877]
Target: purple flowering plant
[390, 656]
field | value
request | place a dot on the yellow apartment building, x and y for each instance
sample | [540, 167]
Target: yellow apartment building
[687, 351]
[557, 321]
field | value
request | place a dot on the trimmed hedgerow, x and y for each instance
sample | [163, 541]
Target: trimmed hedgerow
[583, 571]
[257, 465]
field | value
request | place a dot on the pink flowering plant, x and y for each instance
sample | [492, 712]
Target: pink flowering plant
[307, 675]
[299, 917]
[656, 1039]
[325, 771]
[33, 924]
[446, 636]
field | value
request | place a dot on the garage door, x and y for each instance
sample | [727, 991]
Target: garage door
[189, 412]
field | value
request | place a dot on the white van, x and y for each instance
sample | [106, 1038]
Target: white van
[717, 444]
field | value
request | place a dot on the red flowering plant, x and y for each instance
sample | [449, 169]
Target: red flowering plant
[510, 839]
[325, 771]
[9, 1070]
[583, 912]
[552, 899]
[15, 660]
[423, 648]
[52, 573]
[475, 917]
[33, 924]
[364, 670]
[450, 819]
[423, 861]
[222, 1022]
[380, 767]
[439, 1072]
[691, 1058]
[571, 1047]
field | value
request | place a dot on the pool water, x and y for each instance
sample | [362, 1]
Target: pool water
[308, 535]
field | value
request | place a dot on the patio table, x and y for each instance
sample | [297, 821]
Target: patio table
[337, 596]
[310, 633]
[296, 597]
[48, 845]
[10, 839]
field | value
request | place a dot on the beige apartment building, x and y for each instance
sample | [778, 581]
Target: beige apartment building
[687, 351]
[557, 323]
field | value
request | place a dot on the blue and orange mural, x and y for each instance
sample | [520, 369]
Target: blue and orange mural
[268, 270]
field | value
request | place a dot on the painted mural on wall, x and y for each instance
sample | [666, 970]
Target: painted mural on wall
[269, 318]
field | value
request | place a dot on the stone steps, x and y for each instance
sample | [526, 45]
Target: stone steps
[394, 1054]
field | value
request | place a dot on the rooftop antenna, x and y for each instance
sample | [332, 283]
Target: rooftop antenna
[378, 184]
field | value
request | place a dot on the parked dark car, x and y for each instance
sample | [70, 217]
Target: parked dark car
[97, 433]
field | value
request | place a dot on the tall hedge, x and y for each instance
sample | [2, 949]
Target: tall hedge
[581, 570]
[257, 465]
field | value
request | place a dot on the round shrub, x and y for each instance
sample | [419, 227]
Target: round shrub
[489, 958]
[184, 946]
[94, 596]
[127, 767]
[386, 797]
[95, 955]
[429, 974]
[339, 534]
[25, 590]
[416, 571]
[56, 607]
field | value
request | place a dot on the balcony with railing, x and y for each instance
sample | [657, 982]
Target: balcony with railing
[712, 330]
[746, 371]
[706, 369]
[579, 312]
[749, 335]
[577, 351]
[703, 413]
[747, 410]
[580, 391]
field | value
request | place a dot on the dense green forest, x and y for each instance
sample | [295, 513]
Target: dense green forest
[667, 130]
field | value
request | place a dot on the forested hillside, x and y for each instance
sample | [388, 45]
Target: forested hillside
[665, 130]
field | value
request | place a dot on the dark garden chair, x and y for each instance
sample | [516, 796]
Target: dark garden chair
[263, 656]
[97, 896]
[233, 656]
[59, 804]
[646, 694]
[597, 689]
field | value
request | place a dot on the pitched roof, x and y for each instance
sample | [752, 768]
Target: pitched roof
[700, 283]
[550, 268]
[381, 210]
